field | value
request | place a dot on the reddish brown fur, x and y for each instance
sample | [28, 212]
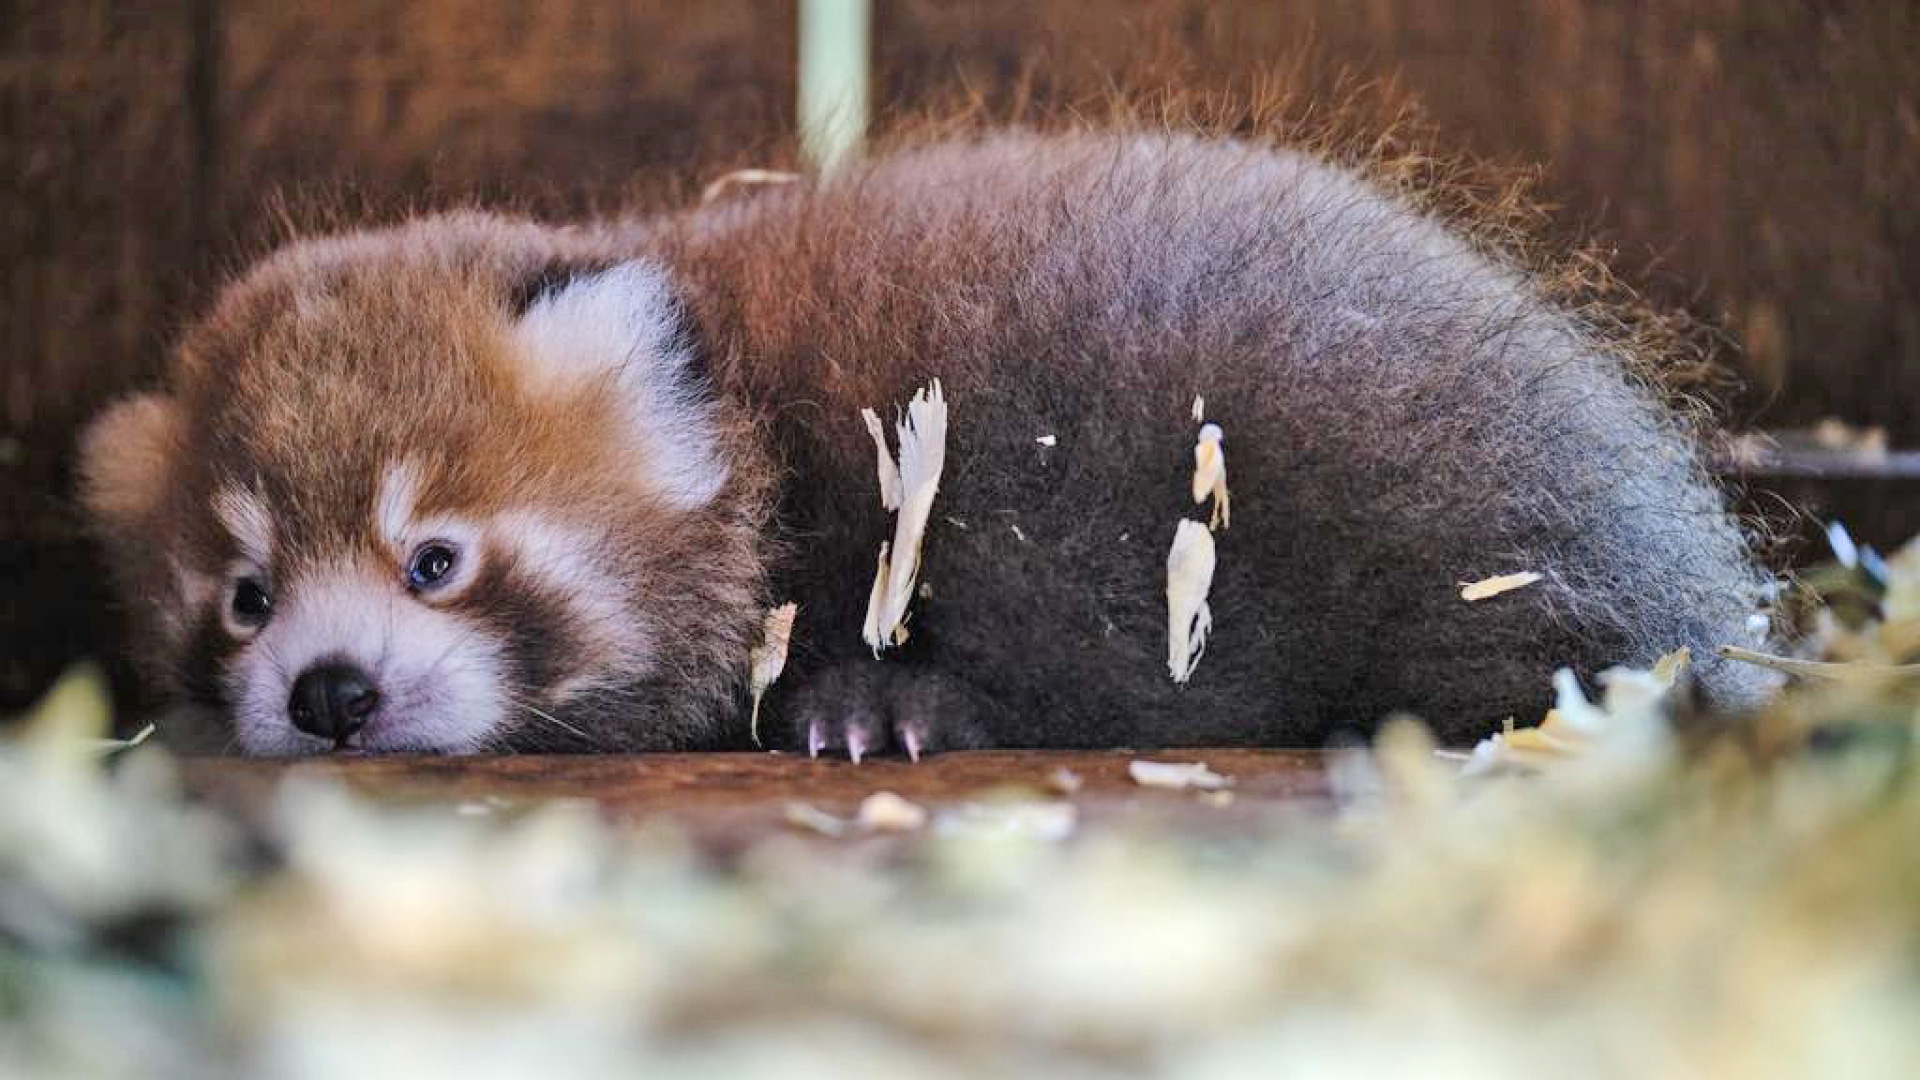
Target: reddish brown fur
[1405, 409]
[403, 356]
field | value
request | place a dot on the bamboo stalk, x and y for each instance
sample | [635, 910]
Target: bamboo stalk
[834, 62]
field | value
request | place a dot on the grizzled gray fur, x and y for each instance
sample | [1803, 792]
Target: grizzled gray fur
[1402, 414]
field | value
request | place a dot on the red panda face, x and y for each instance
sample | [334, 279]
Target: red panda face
[384, 644]
[440, 489]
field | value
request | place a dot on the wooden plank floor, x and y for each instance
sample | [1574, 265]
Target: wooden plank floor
[739, 795]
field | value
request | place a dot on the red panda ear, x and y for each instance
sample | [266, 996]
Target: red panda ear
[622, 327]
[547, 279]
[125, 457]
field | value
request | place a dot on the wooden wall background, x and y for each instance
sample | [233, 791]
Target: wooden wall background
[1755, 160]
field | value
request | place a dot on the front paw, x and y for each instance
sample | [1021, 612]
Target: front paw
[872, 708]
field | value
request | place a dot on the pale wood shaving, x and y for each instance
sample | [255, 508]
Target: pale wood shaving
[739, 178]
[870, 630]
[768, 659]
[1487, 588]
[889, 472]
[803, 815]
[922, 436]
[1902, 602]
[1177, 775]
[1210, 475]
[1190, 564]
[1820, 669]
[1631, 710]
[883, 811]
[1065, 781]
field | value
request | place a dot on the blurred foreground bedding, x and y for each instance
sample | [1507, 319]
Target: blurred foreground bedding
[1628, 891]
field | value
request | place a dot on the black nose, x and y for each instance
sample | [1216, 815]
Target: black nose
[332, 700]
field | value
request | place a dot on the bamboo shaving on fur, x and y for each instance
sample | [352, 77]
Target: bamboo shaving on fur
[1210, 474]
[1488, 588]
[768, 659]
[1191, 561]
[908, 491]
[1189, 578]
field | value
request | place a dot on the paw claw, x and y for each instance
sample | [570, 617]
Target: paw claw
[873, 711]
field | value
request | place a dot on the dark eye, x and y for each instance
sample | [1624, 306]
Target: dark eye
[431, 564]
[251, 604]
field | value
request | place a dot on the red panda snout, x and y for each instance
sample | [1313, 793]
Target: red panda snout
[351, 658]
[332, 701]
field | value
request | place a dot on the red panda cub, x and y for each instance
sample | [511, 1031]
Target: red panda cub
[476, 483]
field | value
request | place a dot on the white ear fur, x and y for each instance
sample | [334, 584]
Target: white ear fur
[623, 323]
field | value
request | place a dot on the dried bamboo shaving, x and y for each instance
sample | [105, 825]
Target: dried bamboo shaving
[1902, 602]
[883, 811]
[1630, 713]
[1671, 666]
[768, 659]
[802, 815]
[1065, 781]
[889, 472]
[876, 600]
[740, 178]
[1494, 586]
[1210, 474]
[1821, 669]
[1177, 775]
[73, 721]
[1190, 566]
[922, 436]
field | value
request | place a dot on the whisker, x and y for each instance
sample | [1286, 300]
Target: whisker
[459, 639]
[271, 653]
[554, 720]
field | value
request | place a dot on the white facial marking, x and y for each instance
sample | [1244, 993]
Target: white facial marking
[439, 676]
[393, 507]
[247, 521]
[570, 564]
[240, 628]
[620, 323]
[195, 591]
[442, 678]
